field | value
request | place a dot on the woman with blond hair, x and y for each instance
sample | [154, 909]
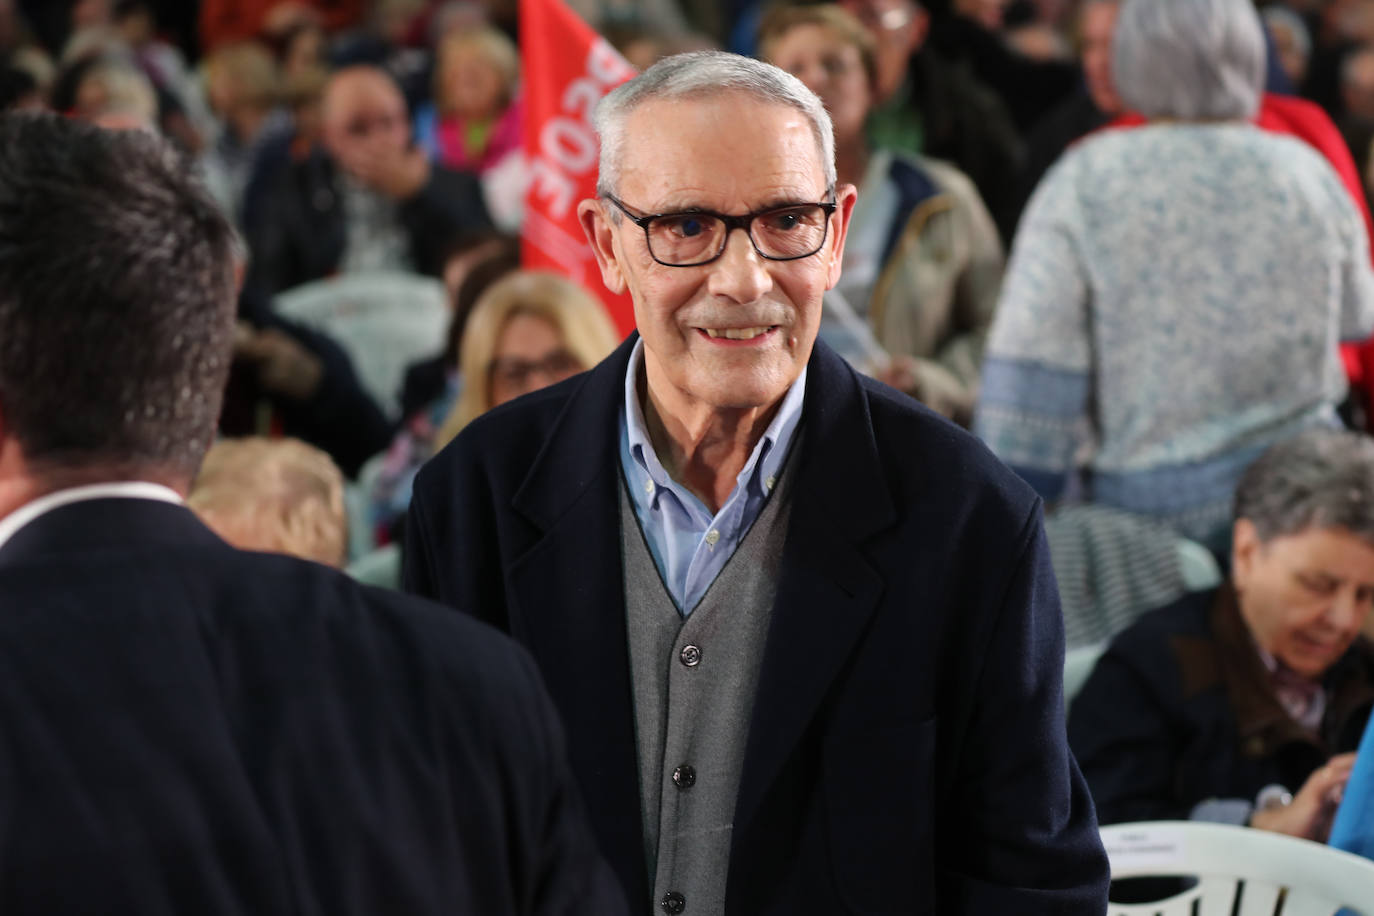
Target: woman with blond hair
[528, 330]
[275, 495]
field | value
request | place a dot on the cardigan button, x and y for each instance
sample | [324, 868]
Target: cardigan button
[684, 777]
[673, 902]
[691, 656]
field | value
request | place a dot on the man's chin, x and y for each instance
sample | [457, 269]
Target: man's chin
[740, 393]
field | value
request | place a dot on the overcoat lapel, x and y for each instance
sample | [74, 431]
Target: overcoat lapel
[828, 590]
[569, 607]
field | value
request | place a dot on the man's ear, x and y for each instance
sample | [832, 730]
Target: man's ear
[845, 195]
[1245, 543]
[12, 464]
[601, 236]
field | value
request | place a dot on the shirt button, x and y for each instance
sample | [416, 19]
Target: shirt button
[684, 777]
[649, 487]
[712, 537]
[673, 902]
[770, 483]
[690, 656]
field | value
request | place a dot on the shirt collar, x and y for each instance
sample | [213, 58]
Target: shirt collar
[1277, 669]
[761, 470]
[133, 489]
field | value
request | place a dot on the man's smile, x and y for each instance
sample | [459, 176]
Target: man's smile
[738, 334]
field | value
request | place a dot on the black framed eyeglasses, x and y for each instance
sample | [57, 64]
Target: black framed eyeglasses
[694, 237]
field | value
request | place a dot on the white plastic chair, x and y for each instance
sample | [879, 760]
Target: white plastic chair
[1078, 664]
[381, 567]
[1271, 874]
[384, 321]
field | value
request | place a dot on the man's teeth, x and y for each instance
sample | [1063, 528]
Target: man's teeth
[736, 333]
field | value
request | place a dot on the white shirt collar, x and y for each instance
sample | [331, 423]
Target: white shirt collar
[134, 489]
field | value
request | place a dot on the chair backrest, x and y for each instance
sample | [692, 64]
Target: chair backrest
[381, 567]
[1112, 566]
[1240, 871]
[384, 321]
[1078, 664]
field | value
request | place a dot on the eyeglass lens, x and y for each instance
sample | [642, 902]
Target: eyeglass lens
[518, 373]
[693, 238]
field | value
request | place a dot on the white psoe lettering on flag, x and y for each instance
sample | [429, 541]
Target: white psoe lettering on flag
[567, 155]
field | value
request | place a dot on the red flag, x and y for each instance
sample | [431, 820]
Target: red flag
[567, 68]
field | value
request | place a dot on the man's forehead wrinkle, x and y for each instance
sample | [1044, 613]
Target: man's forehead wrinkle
[660, 175]
[754, 200]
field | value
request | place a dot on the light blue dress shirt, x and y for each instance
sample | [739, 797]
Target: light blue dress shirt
[690, 546]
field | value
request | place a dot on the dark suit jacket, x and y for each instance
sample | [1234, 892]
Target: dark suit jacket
[185, 728]
[907, 749]
[298, 233]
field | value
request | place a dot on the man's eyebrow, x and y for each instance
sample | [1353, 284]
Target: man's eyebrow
[782, 202]
[774, 203]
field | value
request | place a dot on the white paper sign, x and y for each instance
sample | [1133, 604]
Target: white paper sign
[1137, 851]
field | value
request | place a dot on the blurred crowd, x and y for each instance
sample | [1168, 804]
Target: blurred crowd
[1126, 243]
[383, 138]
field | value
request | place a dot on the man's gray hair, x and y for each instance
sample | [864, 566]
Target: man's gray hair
[1194, 60]
[701, 74]
[1321, 478]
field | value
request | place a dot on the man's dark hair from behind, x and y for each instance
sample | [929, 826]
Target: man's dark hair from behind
[116, 300]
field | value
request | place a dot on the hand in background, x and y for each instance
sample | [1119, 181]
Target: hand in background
[1310, 812]
[397, 173]
[283, 365]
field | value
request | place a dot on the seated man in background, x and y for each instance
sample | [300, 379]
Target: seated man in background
[274, 495]
[187, 728]
[1241, 704]
[367, 199]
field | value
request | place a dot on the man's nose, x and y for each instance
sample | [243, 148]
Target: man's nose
[740, 273]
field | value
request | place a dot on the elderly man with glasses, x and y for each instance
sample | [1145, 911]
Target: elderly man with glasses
[803, 633]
